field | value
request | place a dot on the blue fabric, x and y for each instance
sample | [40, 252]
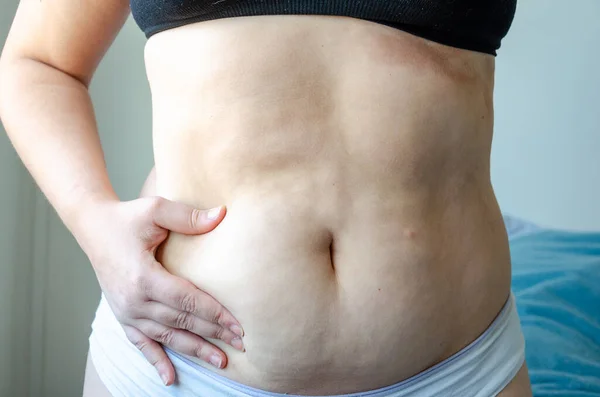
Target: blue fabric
[516, 227]
[556, 280]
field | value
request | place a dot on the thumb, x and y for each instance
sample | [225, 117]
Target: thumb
[184, 219]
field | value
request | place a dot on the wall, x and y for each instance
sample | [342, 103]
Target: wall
[546, 163]
[17, 197]
[16, 226]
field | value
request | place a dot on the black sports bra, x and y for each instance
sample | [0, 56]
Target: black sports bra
[478, 25]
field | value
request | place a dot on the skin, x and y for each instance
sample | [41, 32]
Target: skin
[362, 243]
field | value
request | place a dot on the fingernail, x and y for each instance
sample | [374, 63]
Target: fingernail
[237, 330]
[213, 213]
[237, 343]
[165, 379]
[215, 360]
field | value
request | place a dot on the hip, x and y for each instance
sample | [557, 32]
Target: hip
[482, 369]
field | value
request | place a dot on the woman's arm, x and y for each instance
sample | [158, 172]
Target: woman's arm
[51, 54]
[149, 188]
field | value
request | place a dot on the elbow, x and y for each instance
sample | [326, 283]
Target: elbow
[4, 84]
[9, 67]
[20, 75]
[14, 77]
[8, 76]
[24, 69]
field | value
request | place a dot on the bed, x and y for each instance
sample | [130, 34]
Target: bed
[556, 280]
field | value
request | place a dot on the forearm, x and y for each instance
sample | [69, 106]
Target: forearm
[49, 118]
[149, 188]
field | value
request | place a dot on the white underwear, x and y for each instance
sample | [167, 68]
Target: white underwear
[482, 369]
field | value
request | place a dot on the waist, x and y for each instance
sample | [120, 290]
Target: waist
[483, 368]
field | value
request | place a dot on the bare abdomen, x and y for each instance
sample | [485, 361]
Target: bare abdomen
[363, 242]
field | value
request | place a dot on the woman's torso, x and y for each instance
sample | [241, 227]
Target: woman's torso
[363, 242]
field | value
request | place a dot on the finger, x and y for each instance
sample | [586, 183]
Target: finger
[182, 295]
[153, 352]
[184, 219]
[183, 342]
[183, 320]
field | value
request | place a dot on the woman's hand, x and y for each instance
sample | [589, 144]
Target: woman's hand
[152, 305]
